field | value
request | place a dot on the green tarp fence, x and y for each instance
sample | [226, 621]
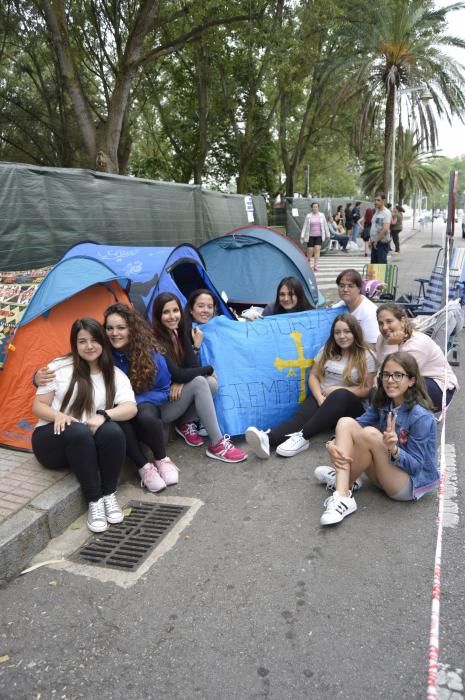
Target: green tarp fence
[43, 211]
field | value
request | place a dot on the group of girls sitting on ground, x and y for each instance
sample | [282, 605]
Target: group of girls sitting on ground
[91, 416]
[395, 435]
[124, 381]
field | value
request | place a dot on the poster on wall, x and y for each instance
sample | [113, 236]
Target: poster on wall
[16, 292]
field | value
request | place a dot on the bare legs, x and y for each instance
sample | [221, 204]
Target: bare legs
[357, 450]
[313, 251]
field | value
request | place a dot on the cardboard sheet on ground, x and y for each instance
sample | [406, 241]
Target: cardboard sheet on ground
[263, 366]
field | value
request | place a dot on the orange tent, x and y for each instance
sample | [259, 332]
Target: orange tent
[39, 340]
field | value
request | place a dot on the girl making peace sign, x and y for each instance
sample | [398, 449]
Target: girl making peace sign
[393, 442]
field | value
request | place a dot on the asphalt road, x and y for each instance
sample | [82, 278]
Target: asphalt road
[255, 600]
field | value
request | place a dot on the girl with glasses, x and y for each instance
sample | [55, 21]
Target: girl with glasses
[393, 442]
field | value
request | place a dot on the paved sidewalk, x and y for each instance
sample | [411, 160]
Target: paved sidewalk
[21, 480]
[37, 504]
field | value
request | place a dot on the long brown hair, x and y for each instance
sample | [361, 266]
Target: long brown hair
[295, 287]
[84, 401]
[357, 351]
[398, 312]
[168, 343]
[414, 394]
[142, 368]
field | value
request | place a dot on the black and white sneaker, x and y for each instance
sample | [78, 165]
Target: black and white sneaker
[337, 507]
[327, 476]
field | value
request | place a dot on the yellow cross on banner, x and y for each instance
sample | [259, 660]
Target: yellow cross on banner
[301, 363]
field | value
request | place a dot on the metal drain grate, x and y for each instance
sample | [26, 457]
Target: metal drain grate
[126, 545]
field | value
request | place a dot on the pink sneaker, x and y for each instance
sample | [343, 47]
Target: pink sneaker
[150, 478]
[315, 267]
[188, 431]
[167, 470]
[225, 451]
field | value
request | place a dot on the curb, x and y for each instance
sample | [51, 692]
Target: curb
[27, 532]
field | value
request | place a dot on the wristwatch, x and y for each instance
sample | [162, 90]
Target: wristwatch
[102, 412]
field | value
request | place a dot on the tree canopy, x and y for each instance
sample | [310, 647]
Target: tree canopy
[240, 95]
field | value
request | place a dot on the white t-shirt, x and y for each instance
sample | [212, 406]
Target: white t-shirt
[334, 371]
[365, 313]
[63, 368]
[380, 218]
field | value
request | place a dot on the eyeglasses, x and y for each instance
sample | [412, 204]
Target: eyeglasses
[395, 376]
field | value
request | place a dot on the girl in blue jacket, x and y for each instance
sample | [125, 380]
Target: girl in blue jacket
[393, 442]
[134, 352]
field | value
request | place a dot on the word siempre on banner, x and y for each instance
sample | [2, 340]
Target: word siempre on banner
[263, 366]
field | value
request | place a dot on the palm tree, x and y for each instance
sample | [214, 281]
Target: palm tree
[413, 168]
[401, 51]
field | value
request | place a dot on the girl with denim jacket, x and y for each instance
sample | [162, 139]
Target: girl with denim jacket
[393, 442]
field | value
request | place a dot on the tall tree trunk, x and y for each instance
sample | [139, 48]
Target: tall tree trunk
[388, 138]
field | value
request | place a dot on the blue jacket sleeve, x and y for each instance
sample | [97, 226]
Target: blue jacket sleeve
[370, 417]
[420, 445]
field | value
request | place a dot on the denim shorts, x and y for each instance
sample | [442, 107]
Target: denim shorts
[405, 493]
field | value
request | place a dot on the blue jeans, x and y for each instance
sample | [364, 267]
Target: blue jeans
[379, 254]
[355, 231]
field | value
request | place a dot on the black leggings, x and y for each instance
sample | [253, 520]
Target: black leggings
[96, 459]
[146, 427]
[313, 419]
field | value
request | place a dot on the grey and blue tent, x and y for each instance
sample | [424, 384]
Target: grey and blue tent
[152, 270]
[249, 262]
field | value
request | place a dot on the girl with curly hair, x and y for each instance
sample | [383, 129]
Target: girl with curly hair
[193, 387]
[341, 377]
[134, 352]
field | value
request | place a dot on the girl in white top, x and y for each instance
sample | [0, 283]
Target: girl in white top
[340, 379]
[398, 334]
[314, 232]
[77, 413]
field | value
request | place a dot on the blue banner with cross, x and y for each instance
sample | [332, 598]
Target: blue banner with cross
[263, 366]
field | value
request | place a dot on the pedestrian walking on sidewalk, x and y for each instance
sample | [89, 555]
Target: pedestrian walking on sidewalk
[356, 216]
[380, 235]
[314, 232]
[396, 226]
[79, 414]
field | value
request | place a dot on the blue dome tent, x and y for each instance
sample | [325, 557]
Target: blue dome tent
[152, 270]
[249, 262]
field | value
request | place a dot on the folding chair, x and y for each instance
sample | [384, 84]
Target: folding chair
[386, 275]
[429, 298]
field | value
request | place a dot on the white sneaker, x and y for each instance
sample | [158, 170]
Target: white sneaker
[113, 510]
[294, 444]
[96, 518]
[258, 442]
[336, 508]
[327, 476]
